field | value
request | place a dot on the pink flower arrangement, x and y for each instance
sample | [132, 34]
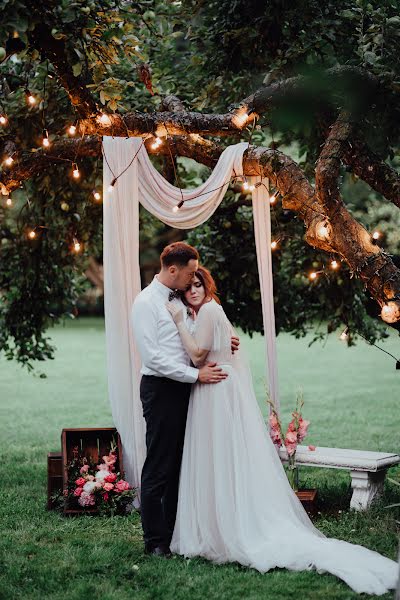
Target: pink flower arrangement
[99, 486]
[295, 434]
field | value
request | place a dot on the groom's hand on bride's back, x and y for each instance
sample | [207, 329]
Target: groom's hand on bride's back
[211, 373]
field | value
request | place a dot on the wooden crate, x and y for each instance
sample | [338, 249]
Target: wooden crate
[91, 444]
[54, 477]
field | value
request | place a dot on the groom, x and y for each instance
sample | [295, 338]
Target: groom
[164, 391]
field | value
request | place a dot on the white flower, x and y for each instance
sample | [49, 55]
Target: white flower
[90, 486]
[101, 475]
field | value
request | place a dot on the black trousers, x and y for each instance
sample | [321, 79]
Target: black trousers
[165, 404]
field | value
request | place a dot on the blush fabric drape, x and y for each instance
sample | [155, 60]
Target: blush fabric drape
[141, 182]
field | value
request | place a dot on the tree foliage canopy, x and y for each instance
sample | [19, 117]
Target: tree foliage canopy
[313, 65]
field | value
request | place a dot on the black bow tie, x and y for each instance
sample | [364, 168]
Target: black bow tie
[174, 294]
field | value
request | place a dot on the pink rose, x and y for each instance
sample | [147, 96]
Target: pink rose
[122, 486]
[111, 478]
[84, 469]
[78, 491]
[108, 487]
[80, 482]
[311, 447]
[86, 499]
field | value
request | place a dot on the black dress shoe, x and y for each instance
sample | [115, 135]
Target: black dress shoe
[163, 551]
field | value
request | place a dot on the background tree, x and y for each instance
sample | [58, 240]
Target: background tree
[313, 89]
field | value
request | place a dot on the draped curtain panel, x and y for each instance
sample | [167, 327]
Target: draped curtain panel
[141, 182]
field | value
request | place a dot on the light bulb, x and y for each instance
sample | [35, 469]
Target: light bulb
[323, 231]
[3, 120]
[105, 119]
[246, 185]
[175, 209]
[46, 142]
[77, 246]
[72, 130]
[9, 160]
[30, 98]
[97, 195]
[344, 335]
[313, 275]
[75, 171]
[9, 202]
[376, 235]
[274, 245]
[240, 119]
[272, 199]
[334, 264]
[32, 234]
[390, 312]
[252, 187]
[157, 143]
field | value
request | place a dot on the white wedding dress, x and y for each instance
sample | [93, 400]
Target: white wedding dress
[235, 502]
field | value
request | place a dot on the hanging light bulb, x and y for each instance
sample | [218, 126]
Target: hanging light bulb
[376, 235]
[9, 202]
[104, 119]
[313, 275]
[344, 335]
[157, 143]
[77, 247]
[274, 245]
[71, 130]
[390, 312]
[272, 199]
[252, 187]
[45, 140]
[3, 120]
[75, 171]
[177, 207]
[9, 161]
[32, 234]
[323, 231]
[334, 264]
[96, 195]
[111, 186]
[30, 98]
[239, 119]
[246, 185]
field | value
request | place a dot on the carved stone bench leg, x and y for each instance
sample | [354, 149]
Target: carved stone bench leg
[366, 487]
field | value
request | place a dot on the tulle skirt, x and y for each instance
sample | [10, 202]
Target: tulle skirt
[235, 502]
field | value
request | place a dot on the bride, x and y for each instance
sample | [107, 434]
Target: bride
[235, 502]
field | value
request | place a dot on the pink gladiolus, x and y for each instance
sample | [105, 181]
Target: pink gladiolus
[111, 459]
[80, 482]
[290, 449]
[292, 425]
[303, 427]
[84, 469]
[102, 467]
[273, 421]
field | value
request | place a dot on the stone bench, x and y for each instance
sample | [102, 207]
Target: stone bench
[367, 469]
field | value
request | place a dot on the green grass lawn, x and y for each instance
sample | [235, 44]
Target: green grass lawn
[351, 397]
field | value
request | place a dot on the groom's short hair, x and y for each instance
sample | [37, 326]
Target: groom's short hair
[178, 254]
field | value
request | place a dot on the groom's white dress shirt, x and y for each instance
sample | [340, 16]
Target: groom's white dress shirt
[157, 337]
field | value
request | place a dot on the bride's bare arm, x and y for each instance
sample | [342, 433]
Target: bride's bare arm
[197, 355]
